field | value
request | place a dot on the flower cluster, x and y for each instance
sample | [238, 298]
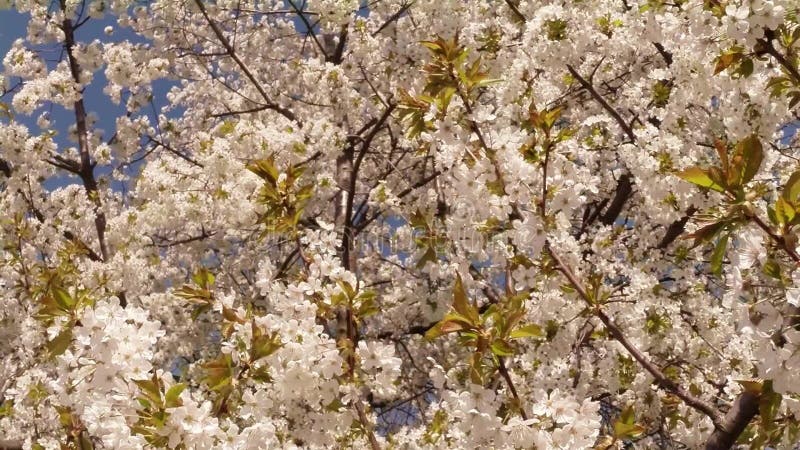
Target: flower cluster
[400, 224]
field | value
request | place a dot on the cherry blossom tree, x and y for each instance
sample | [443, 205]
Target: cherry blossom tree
[402, 224]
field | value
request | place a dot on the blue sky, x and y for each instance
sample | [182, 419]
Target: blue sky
[13, 26]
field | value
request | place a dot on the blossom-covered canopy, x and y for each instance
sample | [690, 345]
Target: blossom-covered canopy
[508, 224]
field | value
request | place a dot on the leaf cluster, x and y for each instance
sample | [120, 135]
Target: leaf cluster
[489, 333]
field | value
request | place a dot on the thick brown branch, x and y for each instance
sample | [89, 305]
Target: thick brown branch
[5, 168]
[624, 184]
[347, 238]
[772, 51]
[676, 228]
[621, 195]
[86, 172]
[338, 51]
[362, 417]
[744, 409]
[666, 55]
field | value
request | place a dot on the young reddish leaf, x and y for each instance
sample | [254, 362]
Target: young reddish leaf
[727, 59]
[751, 152]
[450, 323]
[450, 327]
[722, 151]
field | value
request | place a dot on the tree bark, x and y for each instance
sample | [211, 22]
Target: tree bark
[744, 409]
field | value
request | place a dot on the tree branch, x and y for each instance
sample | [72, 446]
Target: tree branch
[621, 195]
[615, 332]
[232, 53]
[772, 51]
[86, 172]
[744, 409]
[517, 13]
[676, 228]
[599, 98]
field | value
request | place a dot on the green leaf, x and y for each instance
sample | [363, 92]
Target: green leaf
[265, 169]
[63, 299]
[567, 289]
[85, 442]
[461, 303]
[434, 332]
[769, 403]
[428, 256]
[627, 416]
[706, 233]
[7, 409]
[719, 254]
[502, 348]
[203, 278]
[772, 269]
[172, 397]
[432, 45]
[530, 330]
[227, 127]
[488, 82]
[200, 309]
[699, 177]
[59, 344]
[551, 116]
[219, 372]
[625, 426]
[150, 389]
[261, 375]
[367, 307]
[263, 344]
[64, 416]
[347, 289]
[784, 211]
[791, 190]
[626, 431]
[745, 68]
